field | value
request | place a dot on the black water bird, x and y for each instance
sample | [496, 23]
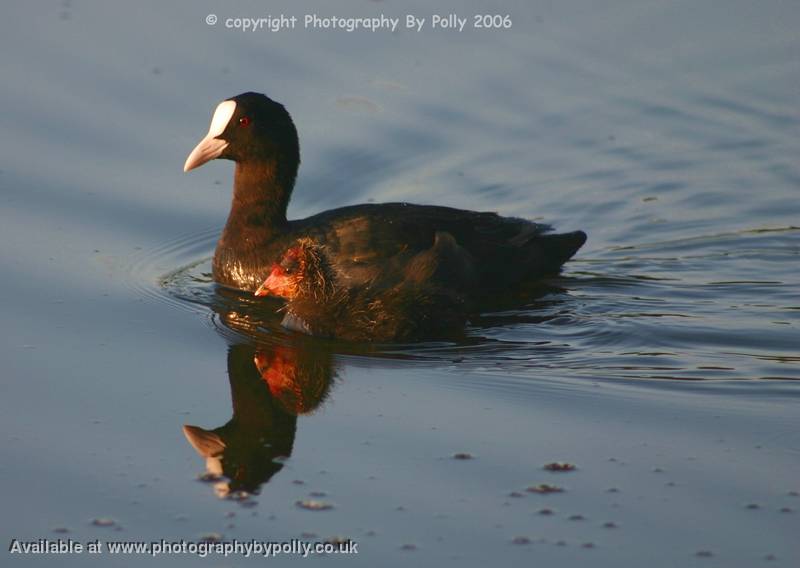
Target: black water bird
[362, 240]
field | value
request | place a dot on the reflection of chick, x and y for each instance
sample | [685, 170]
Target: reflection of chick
[426, 302]
[300, 384]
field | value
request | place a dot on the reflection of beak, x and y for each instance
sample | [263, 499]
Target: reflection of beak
[208, 149]
[208, 444]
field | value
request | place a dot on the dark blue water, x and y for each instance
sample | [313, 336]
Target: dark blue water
[663, 362]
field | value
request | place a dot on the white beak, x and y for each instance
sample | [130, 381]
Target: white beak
[212, 147]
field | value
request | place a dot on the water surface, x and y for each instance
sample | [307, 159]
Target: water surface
[663, 362]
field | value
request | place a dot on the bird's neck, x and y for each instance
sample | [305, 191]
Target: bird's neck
[261, 192]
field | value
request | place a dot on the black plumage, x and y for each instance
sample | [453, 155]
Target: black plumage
[361, 241]
[424, 298]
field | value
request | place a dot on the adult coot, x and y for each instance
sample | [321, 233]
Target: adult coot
[360, 240]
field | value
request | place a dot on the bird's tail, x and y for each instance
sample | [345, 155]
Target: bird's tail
[548, 252]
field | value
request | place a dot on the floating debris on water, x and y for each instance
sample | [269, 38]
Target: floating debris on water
[211, 537]
[103, 522]
[704, 554]
[314, 505]
[520, 540]
[243, 498]
[559, 466]
[463, 456]
[544, 488]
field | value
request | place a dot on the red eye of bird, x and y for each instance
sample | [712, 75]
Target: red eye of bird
[244, 121]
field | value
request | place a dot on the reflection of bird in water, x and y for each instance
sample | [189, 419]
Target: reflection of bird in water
[300, 384]
[250, 448]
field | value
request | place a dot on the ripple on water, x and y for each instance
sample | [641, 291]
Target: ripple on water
[720, 306]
